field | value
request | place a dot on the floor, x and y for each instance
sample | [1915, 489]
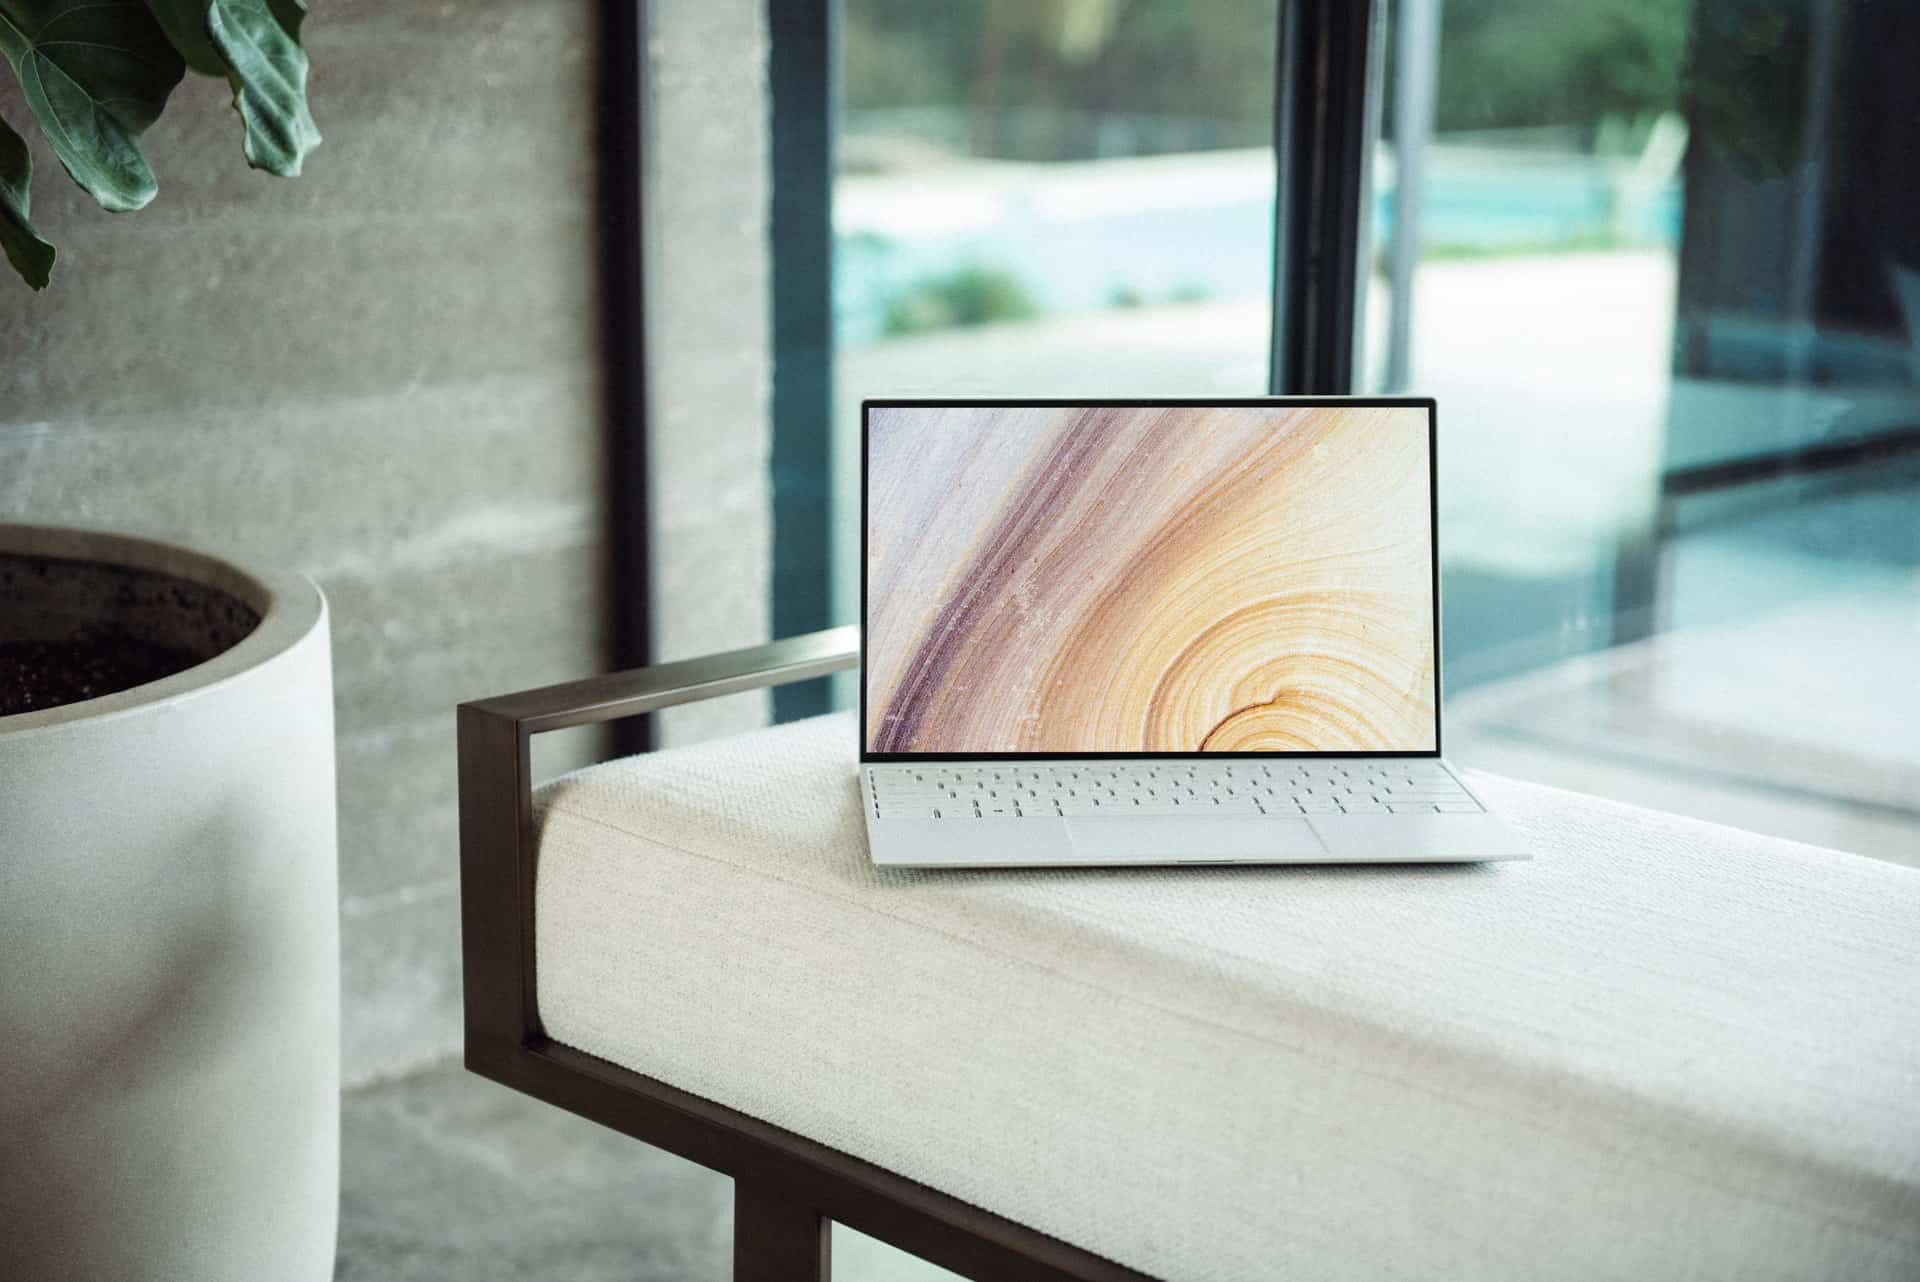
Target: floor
[450, 1178]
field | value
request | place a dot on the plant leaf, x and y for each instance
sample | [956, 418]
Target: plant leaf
[251, 43]
[268, 71]
[30, 254]
[185, 22]
[95, 74]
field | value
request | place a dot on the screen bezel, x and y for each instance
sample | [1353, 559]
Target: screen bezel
[1255, 402]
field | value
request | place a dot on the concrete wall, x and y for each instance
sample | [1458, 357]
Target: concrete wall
[386, 373]
[709, 326]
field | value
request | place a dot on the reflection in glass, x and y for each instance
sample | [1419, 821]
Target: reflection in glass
[1661, 274]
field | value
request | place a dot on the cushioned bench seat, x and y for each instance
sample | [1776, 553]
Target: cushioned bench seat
[1662, 1049]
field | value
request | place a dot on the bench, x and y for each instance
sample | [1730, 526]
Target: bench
[1662, 1048]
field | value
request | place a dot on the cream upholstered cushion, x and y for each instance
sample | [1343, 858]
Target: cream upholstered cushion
[1662, 1049]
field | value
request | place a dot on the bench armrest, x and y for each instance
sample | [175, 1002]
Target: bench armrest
[664, 685]
[496, 805]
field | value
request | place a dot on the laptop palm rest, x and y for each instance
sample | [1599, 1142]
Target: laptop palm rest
[1176, 839]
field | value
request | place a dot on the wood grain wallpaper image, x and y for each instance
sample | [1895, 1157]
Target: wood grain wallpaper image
[1149, 579]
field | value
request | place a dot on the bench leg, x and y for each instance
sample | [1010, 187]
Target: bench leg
[775, 1240]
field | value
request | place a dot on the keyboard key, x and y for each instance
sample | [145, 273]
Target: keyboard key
[908, 812]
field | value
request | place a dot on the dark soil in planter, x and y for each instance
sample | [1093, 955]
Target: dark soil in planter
[72, 630]
[46, 674]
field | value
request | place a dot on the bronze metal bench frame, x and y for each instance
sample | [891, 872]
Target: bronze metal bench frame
[788, 1189]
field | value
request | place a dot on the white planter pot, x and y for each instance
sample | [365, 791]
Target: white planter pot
[169, 941]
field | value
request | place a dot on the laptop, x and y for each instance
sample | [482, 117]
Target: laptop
[1156, 632]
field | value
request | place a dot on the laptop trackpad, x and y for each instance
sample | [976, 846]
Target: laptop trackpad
[1174, 838]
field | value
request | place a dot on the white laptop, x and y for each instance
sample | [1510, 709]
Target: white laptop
[1166, 632]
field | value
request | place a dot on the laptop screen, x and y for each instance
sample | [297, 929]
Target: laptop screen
[1133, 579]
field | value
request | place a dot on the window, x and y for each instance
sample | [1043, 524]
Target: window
[1658, 260]
[1660, 263]
[1048, 199]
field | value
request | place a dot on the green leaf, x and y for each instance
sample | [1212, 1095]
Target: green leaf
[185, 22]
[30, 255]
[269, 78]
[251, 44]
[95, 74]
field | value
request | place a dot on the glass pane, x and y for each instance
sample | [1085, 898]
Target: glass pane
[1048, 197]
[1659, 261]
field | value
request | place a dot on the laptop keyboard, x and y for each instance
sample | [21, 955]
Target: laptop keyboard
[1284, 788]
